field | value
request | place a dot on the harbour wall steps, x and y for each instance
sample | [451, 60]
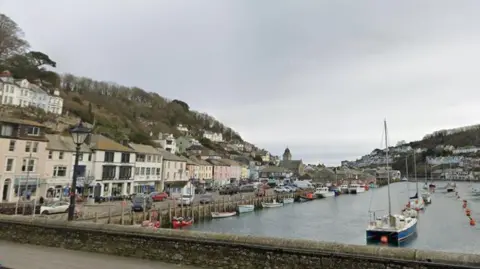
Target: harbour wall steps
[212, 250]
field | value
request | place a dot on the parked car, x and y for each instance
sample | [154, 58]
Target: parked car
[281, 189]
[54, 208]
[206, 198]
[158, 196]
[229, 190]
[142, 202]
[185, 200]
[247, 188]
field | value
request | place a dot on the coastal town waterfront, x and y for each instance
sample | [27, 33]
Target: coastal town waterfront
[343, 219]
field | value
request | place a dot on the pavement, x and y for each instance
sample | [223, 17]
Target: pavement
[22, 256]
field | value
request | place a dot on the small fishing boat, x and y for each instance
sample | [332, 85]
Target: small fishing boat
[181, 222]
[451, 187]
[323, 192]
[344, 188]
[218, 215]
[273, 204]
[409, 212]
[356, 188]
[416, 202]
[475, 191]
[287, 201]
[245, 208]
[373, 186]
[427, 198]
[335, 190]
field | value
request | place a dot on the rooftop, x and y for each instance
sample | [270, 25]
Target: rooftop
[146, 149]
[170, 157]
[100, 142]
[22, 122]
[63, 143]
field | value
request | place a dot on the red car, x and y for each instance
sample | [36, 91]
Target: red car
[158, 196]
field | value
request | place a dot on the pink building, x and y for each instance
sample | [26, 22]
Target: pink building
[221, 172]
[235, 171]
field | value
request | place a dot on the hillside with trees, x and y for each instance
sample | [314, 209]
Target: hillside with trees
[119, 111]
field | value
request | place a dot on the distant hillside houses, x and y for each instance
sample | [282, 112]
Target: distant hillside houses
[445, 160]
[452, 131]
[214, 137]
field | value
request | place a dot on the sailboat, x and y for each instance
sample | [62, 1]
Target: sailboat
[391, 228]
[416, 201]
[408, 211]
[426, 196]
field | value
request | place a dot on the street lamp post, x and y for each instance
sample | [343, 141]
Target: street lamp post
[79, 135]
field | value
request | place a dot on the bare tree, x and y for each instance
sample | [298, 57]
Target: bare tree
[11, 38]
[86, 184]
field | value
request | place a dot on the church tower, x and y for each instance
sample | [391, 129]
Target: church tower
[287, 156]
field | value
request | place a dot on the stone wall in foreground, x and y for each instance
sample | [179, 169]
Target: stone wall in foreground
[212, 250]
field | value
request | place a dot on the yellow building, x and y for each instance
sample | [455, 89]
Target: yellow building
[245, 173]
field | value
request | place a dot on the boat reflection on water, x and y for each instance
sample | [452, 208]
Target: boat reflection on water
[393, 243]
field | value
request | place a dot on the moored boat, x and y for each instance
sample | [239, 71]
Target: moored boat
[181, 222]
[273, 204]
[373, 186]
[427, 197]
[323, 192]
[391, 228]
[217, 215]
[475, 191]
[245, 208]
[344, 188]
[451, 187]
[416, 202]
[355, 188]
[287, 201]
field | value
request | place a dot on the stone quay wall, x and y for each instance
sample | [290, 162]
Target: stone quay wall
[211, 250]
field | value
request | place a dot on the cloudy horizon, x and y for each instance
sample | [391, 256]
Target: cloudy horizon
[316, 76]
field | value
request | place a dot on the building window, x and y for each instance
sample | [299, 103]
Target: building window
[149, 158]
[142, 171]
[125, 172]
[148, 171]
[33, 131]
[109, 157]
[11, 147]
[89, 157]
[108, 172]
[59, 171]
[140, 158]
[35, 147]
[28, 165]
[158, 171]
[28, 146]
[125, 157]
[7, 130]
[50, 155]
[9, 165]
[60, 155]
[137, 171]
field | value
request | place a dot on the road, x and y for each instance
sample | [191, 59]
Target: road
[116, 207]
[21, 256]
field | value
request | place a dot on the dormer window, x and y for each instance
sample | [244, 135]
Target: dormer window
[33, 131]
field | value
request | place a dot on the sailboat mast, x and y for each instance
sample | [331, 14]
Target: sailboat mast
[415, 169]
[406, 167]
[388, 172]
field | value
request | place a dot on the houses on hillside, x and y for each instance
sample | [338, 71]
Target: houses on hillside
[23, 93]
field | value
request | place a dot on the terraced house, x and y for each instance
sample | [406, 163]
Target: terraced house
[175, 175]
[148, 168]
[112, 166]
[23, 153]
[59, 167]
[235, 169]
[205, 171]
[221, 172]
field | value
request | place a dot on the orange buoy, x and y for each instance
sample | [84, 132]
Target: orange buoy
[472, 222]
[384, 239]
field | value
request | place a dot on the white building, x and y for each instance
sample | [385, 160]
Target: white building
[182, 129]
[20, 92]
[59, 166]
[148, 169]
[465, 150]
[167, 142]
[112, 166]
[214, 137]
[175, 174]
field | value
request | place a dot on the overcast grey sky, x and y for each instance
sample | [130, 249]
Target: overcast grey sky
[318, 76]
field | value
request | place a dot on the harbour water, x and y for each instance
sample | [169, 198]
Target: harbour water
[343, 219]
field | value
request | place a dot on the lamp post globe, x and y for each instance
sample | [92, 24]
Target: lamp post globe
[79, 134]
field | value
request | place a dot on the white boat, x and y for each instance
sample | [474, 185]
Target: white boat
[410, 212]
[217, 215]
[323, 192]
[356, 188]
[287, 201]
[245, 208]
[416, 202]
[427, 198]
[392, 228]
[476, 191]
[344, 188]
[273, 204]
[451, 187]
